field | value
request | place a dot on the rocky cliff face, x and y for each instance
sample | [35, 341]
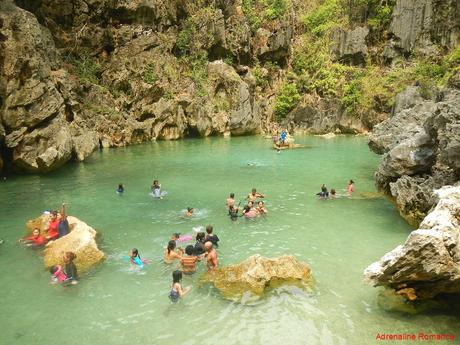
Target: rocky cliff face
[82, 74]
[420, 144]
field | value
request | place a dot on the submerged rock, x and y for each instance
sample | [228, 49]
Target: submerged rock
[80, 240]
[428, 263]
[256, 274]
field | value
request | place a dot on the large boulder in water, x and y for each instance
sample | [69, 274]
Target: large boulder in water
[257, 273]
[81, 241]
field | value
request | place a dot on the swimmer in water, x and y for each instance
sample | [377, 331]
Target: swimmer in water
[199, 245]
[261, 208]
[249, 211]
[188, 263]
[176, 287]
[135, 258]
[189, 212]
[171, 253]
[254, 195]
[120, 188]
[333, 193]
[230, 200]
[156, 189]
[351, 187]
[57, 274]
[35, 241]
[324, 193]
[211, 256]
[210, 237]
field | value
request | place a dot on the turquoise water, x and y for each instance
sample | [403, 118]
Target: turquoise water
[115, 305]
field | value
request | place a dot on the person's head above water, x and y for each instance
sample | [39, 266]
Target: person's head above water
[175, 236]
[232, 195]
[177, 276]
[54, 269]
[250, 204]
[200, 236]
[36, 232]
[120, 186]
[171, 246]
[209, 229]
[134, 252]
[260, 203]
[189, 209]
[208, 246]
[332, 191]
[189, 250]
[253, 191]
[69, 256]
[351, 182]
[156, 183]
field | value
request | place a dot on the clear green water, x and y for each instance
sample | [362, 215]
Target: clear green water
[114, 305]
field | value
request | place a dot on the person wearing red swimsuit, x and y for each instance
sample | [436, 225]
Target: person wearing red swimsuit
[36, 240]
[53, 226]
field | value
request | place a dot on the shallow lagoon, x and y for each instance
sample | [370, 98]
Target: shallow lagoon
[115, 305]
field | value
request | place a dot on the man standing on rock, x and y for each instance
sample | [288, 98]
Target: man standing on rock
[211, 255]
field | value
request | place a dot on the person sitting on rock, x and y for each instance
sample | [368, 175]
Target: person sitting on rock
[35, 241]
[171, 254]
[63, 226]
[188, 263]
[52, 231]
[70, 269]
[211, 237]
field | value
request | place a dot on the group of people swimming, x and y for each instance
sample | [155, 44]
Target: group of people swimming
[333, 194]
[58, 227]
[252, 209]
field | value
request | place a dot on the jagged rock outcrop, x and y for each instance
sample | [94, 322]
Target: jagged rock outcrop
[81, 240]
[420, 146]
[421, 25]
[428, 263]
[350, 45]
[256, 274]
[37, 109]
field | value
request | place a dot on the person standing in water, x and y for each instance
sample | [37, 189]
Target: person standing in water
[230, 200]
[70, 269]
[171, 254]
[261, 208]
[351, 187]
[210, 237]
[211, 256]
[188, 263]
[254, 195]
[176, 287]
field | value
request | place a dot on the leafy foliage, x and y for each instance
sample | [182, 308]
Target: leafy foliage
[150, 76]
[88, 69]
[286, 100]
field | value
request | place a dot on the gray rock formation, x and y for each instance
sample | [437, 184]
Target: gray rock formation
[418, 25]
[37, 112]
[350, 45]
[428, 263]
[420, 146]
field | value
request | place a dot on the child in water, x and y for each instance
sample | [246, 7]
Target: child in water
[135, 258]
[34, 241]
[120, 188]
[57, 274]
[176, 288]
